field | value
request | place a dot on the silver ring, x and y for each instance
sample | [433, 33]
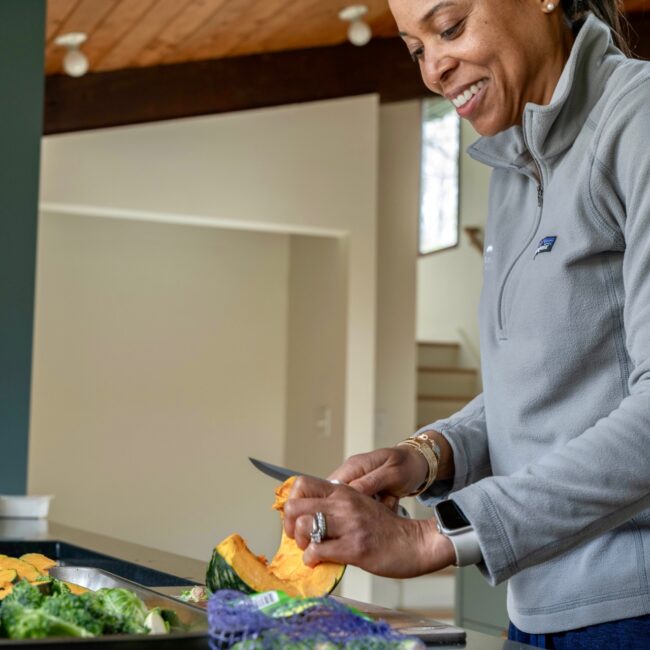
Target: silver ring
[318, 528]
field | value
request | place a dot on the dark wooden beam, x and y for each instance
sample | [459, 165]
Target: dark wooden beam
[138, 95]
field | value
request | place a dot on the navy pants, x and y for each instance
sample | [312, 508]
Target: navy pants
[626, 634]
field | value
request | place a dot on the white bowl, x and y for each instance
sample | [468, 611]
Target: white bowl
[24, 507]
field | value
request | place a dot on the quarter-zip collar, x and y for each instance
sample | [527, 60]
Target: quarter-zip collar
[549, 130]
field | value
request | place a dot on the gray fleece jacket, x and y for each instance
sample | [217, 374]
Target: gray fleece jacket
[553, 459]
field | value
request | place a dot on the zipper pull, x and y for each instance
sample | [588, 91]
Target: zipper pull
[540, 195]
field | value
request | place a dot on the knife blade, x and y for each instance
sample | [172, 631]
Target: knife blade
[275, 471]
[283, 473]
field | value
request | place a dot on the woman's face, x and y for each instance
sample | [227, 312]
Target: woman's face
[489, 57]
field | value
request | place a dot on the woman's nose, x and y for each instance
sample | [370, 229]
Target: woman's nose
[436, 70]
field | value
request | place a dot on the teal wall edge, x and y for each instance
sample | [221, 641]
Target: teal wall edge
[22, 44]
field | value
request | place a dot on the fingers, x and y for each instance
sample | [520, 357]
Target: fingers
[390, 501]
[310, 488]
[308, 495]
[303, 528]
[331, 550]
[357, 466]
[389, 470]
[374, 482]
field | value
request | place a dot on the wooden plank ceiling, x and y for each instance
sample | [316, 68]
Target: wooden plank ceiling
[139, 33]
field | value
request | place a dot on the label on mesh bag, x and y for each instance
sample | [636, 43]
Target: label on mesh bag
[265, 600]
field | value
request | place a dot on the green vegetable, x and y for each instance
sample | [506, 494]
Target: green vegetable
[21, 622]
[84, 610]
[24, 594]
[26, 613]
[125, 605]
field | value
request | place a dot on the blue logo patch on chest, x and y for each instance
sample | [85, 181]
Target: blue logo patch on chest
[545, 245]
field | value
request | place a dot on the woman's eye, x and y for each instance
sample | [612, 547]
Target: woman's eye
[417, 54]
[451, 32]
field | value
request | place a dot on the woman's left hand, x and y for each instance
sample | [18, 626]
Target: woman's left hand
[363, 532]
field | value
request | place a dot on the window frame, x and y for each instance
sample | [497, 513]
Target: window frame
[422, 184]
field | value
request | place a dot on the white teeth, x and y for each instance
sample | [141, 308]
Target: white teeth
[464, 97]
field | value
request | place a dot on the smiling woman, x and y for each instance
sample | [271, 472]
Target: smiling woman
[487, 65]
[544, 477]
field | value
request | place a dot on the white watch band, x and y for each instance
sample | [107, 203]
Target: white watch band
[466, 547]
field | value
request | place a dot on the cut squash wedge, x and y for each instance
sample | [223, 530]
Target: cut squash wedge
[234, 566]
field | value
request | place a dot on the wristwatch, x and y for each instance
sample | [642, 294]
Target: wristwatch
[453, 524]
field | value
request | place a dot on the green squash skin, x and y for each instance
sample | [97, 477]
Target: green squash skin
[220, 575]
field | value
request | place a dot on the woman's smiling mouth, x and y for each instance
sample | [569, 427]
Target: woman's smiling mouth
[467, 100]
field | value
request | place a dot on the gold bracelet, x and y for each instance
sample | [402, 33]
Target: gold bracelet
[431, 452]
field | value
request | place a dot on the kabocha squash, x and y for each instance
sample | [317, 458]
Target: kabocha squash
[32, 567]
[40, 561]
[8, 576]
[22, 568]
[234, 566]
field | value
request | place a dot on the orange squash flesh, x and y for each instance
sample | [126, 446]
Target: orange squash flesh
[40, 561]
[22, 568]
[235, 566]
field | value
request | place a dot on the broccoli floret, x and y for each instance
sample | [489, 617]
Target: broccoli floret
[21, 622]
[59, 587]
[25, 594]
[82, 610]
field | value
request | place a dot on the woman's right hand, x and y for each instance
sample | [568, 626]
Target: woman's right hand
[391, 472]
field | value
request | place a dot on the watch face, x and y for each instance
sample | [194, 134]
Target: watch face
[451, 515]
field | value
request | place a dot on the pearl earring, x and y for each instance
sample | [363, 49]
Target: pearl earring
[549, 7]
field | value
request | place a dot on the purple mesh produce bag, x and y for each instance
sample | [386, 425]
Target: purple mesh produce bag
[235, 621]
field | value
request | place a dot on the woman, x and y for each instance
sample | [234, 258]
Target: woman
[550, 466]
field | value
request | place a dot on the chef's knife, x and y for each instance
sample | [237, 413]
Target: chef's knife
[275, 471]
[283, 473]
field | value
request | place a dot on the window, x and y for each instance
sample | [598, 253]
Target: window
[439, 176]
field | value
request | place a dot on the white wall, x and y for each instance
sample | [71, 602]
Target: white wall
[316, 354]
[159, 366]
[449, 282]
[399, 166]
[306, 169]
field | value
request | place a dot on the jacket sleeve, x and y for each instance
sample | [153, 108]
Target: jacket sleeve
[601, 478]
[466, 433]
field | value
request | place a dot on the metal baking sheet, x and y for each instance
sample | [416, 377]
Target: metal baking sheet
[194, 617]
